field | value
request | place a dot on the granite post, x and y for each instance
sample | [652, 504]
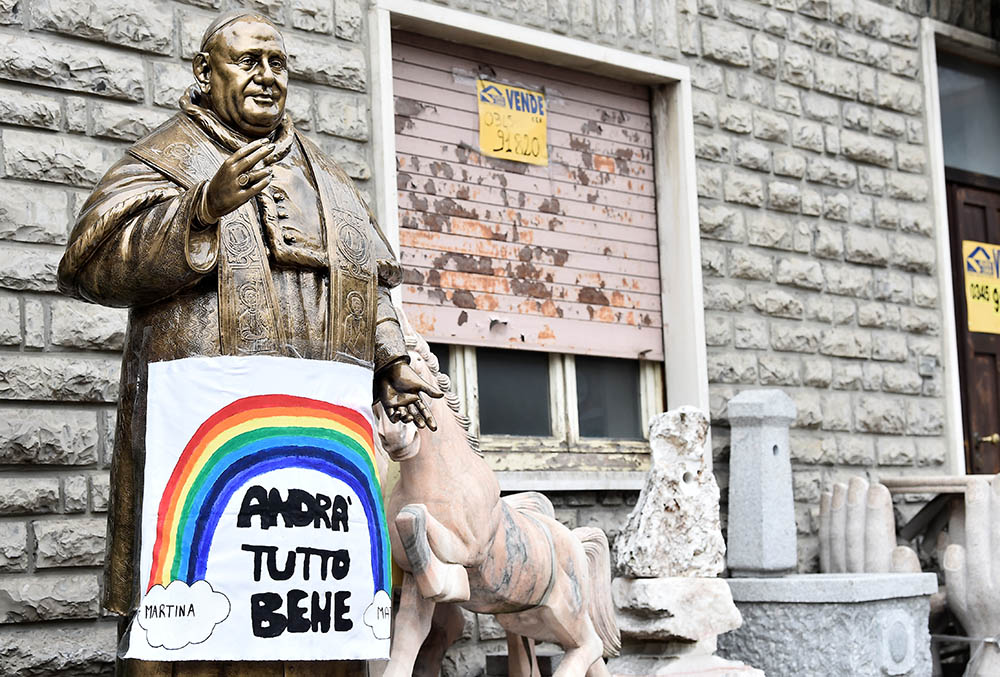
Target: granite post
[761, 508]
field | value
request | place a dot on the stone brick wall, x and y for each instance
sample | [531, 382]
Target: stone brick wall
[79, 81]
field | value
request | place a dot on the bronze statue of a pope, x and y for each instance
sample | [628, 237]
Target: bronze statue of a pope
[226, 232]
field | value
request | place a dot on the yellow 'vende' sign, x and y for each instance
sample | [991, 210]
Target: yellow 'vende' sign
[512, 123]
[982, 285]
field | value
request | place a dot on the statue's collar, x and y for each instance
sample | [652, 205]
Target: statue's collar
[228, 138]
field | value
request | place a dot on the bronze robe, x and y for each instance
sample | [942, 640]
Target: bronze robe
[227, 289]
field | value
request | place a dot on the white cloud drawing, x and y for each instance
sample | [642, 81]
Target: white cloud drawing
[378, 615]
[179, 614]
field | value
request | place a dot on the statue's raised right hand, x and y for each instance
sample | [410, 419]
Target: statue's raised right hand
[237, 181]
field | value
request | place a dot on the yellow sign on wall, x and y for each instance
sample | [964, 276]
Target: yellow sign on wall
[982, 285]
[512, 123]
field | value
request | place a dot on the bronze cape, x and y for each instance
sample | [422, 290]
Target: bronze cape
[234, 288]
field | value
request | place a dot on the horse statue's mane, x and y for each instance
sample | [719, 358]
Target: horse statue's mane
[417, 343]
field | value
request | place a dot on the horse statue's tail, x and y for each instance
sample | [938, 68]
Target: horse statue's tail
[602, 609]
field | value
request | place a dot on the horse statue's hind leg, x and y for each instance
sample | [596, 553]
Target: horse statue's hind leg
[446, 628]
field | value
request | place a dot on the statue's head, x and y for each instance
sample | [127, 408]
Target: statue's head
[242, 70]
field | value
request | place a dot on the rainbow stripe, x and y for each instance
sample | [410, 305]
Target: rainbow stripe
[247, 438]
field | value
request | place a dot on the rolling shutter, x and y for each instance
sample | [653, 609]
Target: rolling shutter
[560, 257]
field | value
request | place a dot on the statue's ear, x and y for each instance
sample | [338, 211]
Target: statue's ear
[202, 71]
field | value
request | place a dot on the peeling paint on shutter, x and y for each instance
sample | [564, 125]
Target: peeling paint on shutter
[498, 253]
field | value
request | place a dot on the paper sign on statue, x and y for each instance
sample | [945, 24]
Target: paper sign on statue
[512, 123]
[981, 262]
[263, 525]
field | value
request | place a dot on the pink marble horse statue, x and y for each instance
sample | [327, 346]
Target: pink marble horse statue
[460, 544]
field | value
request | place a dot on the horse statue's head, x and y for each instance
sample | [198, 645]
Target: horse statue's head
[402, 440]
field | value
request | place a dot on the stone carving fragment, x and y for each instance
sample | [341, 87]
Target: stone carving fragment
[674, 528]
[857, 531]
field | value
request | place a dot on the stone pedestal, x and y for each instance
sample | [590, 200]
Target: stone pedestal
[831, 625]
[670, 607]
[761, 533]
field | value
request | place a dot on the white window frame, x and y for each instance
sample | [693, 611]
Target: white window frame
[682, 307]
[934, 36]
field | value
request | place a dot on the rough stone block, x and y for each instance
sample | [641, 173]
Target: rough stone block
[753, 155]
[58, 159]
[704, 108]
[728, 45]
[864, 148]
[808, 135]
[841, 342]
[679, 608]
[766, 55]
[866, 246]
[709, 181]
[43, 219]
[831, 172]
[744, 188]
[748, 264]
[349, 20]
[69, 542]
[778, 370]
[43, 61]
[48, 436]
[713, 147]
[75, 324]
[732, 368]
[125, 122]
[724, 296]
[907, 187]
[777, 303]
[326, 63]
[770, 230]
[783, 196]
[25, 599]
[797, 67]
[916, 254]
[78, 650]
[170, 80]
[736, 117]
[789, 163]
[891, 285]
[880, 414]
[140, 24]
[312, 15]
[67, 379]
[803, 273]
[829, 242]
[718, 329]
[761, 528]
[905, 96]
[342, 114]
[13, 547]
[836, 77]
[847, 280]
[821, 108]
[924, 416]
[100, 489]
[28, 495]
[870, 180]
[750, 332]
[30, 109]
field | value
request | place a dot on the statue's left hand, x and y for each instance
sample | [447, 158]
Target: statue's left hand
[398, 388]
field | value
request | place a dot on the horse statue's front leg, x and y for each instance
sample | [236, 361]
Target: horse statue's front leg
[431, 550]
[413, 622]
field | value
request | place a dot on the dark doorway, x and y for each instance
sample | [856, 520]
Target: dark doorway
[974, 214]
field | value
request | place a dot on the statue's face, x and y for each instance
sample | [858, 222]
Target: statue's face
[247, 77]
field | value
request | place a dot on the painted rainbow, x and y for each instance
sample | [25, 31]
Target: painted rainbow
[247, 438]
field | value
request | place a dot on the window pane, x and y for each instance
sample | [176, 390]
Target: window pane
[607, 394]
[442, 352]
[513, 392]
[970, 114]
